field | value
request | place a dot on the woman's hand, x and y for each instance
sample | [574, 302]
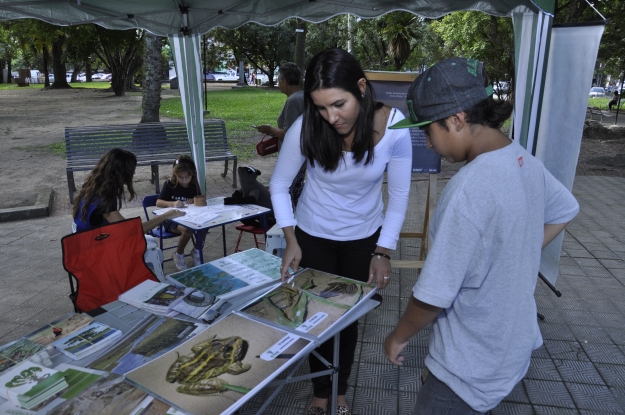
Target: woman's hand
[380, 268]
[292, 254]
[178, 204]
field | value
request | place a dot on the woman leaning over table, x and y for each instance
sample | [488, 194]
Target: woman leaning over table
[339, 224]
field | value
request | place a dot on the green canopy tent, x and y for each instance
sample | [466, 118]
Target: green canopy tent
[183, 21]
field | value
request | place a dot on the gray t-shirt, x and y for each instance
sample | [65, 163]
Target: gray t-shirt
[482, 267]
[293, 108]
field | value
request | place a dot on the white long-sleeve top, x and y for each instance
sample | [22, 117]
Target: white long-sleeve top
[346, 204]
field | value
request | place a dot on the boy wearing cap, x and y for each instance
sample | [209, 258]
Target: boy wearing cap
[491, 222]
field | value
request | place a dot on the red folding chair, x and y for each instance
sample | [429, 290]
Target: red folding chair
[105, 262]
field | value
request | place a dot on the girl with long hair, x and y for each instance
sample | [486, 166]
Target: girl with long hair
[103, 192]
[177, 192]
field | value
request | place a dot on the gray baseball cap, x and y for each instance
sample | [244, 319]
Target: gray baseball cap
[445, 89]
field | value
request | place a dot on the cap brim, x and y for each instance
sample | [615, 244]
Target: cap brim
[407, 123]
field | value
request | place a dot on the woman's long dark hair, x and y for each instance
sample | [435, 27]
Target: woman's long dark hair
[106, 181]
[320, 142]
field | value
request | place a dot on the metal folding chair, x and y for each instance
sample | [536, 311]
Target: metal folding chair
[158, 232]
[249, 229]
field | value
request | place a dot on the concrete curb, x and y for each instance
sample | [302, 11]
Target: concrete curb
[42, 207]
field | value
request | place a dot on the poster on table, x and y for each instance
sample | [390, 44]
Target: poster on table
[221, 368]
[311, 303]
[151, 338]
[391, 88]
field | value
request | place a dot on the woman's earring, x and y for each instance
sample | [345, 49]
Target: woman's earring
[363, 95]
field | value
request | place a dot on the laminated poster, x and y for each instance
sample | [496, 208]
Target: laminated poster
[221, 368]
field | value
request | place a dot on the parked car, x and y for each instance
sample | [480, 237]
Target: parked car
[42, 78]
[106, 77]
[209, 77]
[597, 91]
[225, 77]
[264, 79]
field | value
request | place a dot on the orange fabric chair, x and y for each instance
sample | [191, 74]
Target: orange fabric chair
[105, 262]
[249, 229]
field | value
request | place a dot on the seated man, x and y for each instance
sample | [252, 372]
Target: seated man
[614, 100]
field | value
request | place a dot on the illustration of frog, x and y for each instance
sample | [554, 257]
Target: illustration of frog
[211, 358]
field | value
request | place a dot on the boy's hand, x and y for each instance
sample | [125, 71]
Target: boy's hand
[393, 349]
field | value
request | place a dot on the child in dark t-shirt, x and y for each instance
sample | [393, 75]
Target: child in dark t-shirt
[177, 192]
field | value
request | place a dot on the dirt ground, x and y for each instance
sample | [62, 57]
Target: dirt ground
[32, 121]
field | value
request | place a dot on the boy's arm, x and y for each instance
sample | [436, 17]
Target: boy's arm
[551, 231]
[417, 315]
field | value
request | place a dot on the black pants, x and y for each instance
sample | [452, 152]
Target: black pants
[350, 259]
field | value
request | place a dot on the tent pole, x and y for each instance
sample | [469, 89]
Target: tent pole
[620, 96]
[204, 73]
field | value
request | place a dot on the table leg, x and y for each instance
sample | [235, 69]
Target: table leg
[223, 236]
[263, 222]
[335, 375]
[199, 240]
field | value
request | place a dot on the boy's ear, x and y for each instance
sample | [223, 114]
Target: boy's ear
[457, 121]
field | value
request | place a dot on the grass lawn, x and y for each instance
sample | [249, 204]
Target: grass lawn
[240, 108]
[599, 102]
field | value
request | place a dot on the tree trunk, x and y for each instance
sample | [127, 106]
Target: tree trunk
[300, 48]
[88, 70]
[151, 101]
[133, 68]
[75, 73]
[58, 66]
[118, 50]
[272, 69]
[118, 81]
[46, 58]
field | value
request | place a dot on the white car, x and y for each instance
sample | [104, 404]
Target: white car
[225, 77]
[264, 79]
[597, 91]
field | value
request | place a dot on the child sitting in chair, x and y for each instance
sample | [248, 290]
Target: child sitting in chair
[178, 192]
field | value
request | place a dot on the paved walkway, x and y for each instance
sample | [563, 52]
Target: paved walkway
[579, 370]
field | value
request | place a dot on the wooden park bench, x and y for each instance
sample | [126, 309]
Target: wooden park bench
[153, 144]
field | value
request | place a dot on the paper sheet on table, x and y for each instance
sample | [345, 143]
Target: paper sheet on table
[199, 215]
